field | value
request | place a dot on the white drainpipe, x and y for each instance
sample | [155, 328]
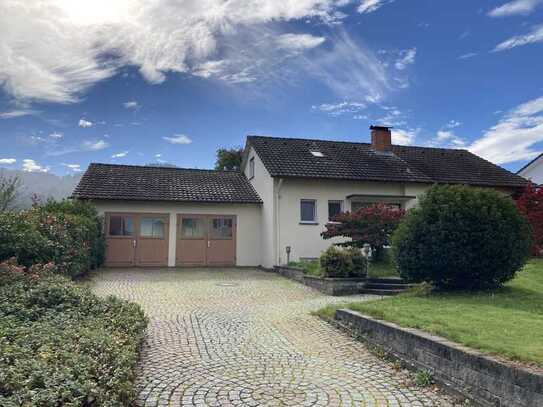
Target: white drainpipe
[278, 222]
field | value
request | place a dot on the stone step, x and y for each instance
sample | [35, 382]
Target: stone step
[386, 280]
[387, 286]
[376, 291]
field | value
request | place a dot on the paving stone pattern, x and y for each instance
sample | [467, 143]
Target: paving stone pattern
[233, 337]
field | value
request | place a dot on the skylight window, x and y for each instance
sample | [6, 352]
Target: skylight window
[317, 154]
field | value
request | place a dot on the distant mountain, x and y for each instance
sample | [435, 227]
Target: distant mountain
[44, 185]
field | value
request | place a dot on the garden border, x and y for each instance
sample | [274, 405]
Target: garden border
[479, 377]
[330, 286]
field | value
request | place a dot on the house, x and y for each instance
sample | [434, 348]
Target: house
[286, 192]
[533, 171]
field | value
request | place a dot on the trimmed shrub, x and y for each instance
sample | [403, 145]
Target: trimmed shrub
[530, 204]
[63, 346]
[462, 238]
[68, 233]
[343, 263]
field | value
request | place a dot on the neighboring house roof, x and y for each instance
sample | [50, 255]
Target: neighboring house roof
[131, 182]
[286, 157]
[530, 163]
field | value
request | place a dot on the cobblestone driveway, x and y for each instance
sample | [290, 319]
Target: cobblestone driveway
[246, 338]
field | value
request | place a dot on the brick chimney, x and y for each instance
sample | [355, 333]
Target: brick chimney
[381, 138]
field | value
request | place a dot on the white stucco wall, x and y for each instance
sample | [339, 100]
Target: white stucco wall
[264, 185]
[248, 244]
[304, 239]
[534, 171]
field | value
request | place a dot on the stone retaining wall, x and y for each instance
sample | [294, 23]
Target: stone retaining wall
[330, 286]
[479, 377]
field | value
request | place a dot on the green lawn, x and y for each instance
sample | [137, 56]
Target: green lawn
[508, 322]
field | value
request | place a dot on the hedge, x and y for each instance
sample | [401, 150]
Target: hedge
[68, 233]
[61, 345]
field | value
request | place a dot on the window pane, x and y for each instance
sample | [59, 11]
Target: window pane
[192, 227]
[158, 228]
[115, 226]
[221, 228]
[334, 209]
[307, 209]
[152, 227]
[128, 227]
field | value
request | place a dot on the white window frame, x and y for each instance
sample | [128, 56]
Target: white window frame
[251, 168]
[341, 205]
[309, 222]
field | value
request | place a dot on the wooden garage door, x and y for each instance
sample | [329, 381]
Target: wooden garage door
[206, 240]
[136, 239]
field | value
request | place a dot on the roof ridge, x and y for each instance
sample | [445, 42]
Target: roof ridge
[166, 168]
[356, 142]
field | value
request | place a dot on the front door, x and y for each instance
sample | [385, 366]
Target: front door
[206, 240]
[136, 239]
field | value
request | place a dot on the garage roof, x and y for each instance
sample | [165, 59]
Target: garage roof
[147, 183]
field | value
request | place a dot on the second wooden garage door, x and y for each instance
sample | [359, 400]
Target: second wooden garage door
[206, 240]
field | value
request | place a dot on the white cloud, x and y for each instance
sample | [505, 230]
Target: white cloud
[452, 124]
[8, 160]
[407, 57]
[178, 139]
[73, 167]
[536, 35]
[132, 104]
[369, 6]
[96, 145]
[85, 123]
[515, 7]
[340, 108]
[92, 41]
[15, 113]
[514, 136]
[447, 138]
[404, 137]
[120, 155]
[56, 135]
[30, 165]
[468, 55]
[299, 42]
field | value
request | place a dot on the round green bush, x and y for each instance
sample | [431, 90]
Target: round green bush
[343, 263]
[462, 238]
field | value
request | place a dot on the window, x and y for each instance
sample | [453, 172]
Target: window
[334, 209]
[251, 168]
[359, 205]
[317, 154]
[221, 228]
[120, 226]
[308, 210]
[152, 227]
[193, 228]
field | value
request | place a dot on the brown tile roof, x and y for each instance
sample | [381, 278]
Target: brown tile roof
[286, 157]
[131, 182]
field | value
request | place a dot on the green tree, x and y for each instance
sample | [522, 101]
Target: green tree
[9, 191]
[229, 158]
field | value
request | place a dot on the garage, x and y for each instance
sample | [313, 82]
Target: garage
[206, 240]
[136, 239]
[175, 217]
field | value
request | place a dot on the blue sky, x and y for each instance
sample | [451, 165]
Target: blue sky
[137, 82]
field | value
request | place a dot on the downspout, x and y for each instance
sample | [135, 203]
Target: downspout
[278, 222]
